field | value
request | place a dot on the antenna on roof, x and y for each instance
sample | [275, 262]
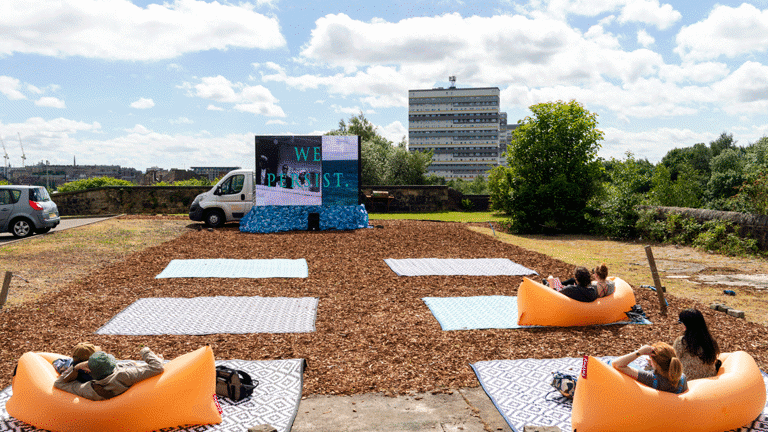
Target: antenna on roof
[452, 79]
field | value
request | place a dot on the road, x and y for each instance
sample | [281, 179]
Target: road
[68, 223]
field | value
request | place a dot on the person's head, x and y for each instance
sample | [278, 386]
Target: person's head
[697, 338]
[285, 169]
[666, 363]
[582, 276]
[83, 351]
[101, 364]
[601, 271]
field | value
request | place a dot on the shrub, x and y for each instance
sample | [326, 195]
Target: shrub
[467, 204]
[92, 183]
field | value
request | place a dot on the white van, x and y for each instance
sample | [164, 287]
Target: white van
[228, 201]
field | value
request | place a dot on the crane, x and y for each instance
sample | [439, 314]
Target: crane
[5, 166]
[23, 157]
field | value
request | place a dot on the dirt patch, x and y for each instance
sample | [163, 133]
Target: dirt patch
[374, 333]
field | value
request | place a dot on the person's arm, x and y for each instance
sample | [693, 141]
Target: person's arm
[622, 363]
[153, 367]
[67, 382]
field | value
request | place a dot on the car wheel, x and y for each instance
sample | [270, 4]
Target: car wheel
[42, 230]
[214, 218]
[21, 228]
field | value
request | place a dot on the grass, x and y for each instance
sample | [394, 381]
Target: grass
[443, 216]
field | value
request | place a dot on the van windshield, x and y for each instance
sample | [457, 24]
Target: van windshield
[39, 195]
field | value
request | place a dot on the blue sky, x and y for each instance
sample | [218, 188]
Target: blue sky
[190, 82]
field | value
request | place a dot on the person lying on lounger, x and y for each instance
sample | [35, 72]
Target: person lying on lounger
[109, 378]
[81, 353]
[667, 374]
[578, 288]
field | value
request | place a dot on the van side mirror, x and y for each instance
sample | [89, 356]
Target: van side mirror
[217, 191]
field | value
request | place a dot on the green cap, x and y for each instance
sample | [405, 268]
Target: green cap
[101, 364]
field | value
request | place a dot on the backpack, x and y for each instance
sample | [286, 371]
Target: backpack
[234, 384]
[564, 383]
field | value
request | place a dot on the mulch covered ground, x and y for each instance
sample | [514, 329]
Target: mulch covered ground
[374, 333]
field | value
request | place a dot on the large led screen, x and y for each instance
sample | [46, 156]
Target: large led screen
[307, 170]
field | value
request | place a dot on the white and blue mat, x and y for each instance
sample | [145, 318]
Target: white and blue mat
[521, 391]
[275, 401]
[481, 312]
[457, 267]
[211, 315]
[236, 268]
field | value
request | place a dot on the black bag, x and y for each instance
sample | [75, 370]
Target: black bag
[564, 383]
[234, 384]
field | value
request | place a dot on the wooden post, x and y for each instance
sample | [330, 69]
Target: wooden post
[6, 285]
[656, 281]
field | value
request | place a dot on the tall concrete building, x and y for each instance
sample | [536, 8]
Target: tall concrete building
[463, 127]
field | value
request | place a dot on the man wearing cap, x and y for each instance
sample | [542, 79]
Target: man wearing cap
[81, 353]
[109, 378]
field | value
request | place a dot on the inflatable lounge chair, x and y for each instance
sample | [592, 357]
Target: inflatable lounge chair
[182, 395]
[540, 305]
[608, 400]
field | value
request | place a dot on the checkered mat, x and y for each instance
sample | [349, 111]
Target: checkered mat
[522, 393]
[210, 315]
[457, 267]
[481, 312]
[236, 268]
[275, 401]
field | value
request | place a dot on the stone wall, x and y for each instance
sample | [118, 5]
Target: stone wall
[128, 199]
[753, 225]
[176, 200]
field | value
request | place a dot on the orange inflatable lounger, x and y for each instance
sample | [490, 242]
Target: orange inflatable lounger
[607, 400]
[540, 305]
[182, 395]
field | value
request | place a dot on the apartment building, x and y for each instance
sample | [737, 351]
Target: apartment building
[463, 127]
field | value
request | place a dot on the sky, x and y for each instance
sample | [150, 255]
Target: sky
[187, 83]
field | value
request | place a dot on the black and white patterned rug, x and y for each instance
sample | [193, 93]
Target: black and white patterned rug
[522, 393]
[457, 267]
[211, 315]
[236, 268]
[275, 401]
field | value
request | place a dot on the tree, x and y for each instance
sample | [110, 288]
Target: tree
[381, 163]
[727, 175]
[553, 168]
[616, 206]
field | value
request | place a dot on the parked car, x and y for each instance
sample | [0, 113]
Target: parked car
[26, 210]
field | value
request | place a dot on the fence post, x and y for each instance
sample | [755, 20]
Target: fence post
[6, 286]
[656, 281]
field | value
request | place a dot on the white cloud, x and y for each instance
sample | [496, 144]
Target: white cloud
[120, 30]
[697, 72]
[253, 99]
[394, 132]
[214, 108]
[181, 120]
[138, 129]
[727, 31]
[34, 89]
[745, 90]
[644, 39]
[143, 103]
[10, 88]
[275, 121]
[50, 102]
[649, 12]
[649, 144]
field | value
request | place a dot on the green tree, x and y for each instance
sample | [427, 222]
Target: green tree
[500, 189]
[92, 183]
[685, 191]
[616, 206]
[553, 167]
[727, 175]
[382, 163]
[723, 142]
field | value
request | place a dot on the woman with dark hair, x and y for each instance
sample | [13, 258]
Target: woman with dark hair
[580, 287]
[696, 348]
[667, 374]
[604, 287]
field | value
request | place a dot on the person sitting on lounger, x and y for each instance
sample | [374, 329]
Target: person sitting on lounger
[578, 288]
[667, 374]
[81, 353]
[109, 378]
[604, 287]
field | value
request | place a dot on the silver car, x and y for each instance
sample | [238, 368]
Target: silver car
[26, 210]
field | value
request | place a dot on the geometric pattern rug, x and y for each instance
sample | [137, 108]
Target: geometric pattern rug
[275, 401]
[480, 312]
[457, 267]
[211, 315]
[236, 268]
[521, 391]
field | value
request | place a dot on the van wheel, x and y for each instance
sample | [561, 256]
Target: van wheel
[21, 228]
[214, 218]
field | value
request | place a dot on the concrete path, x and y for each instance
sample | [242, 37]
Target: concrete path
[466, 410]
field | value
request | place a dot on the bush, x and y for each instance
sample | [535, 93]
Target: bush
[92, 183]
[467, 204]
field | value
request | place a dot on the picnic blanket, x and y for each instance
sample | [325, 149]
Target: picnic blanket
[210, 315]
[457, 267]
[521, 391]
[481, 312]
[236, 268]
[275, 401]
